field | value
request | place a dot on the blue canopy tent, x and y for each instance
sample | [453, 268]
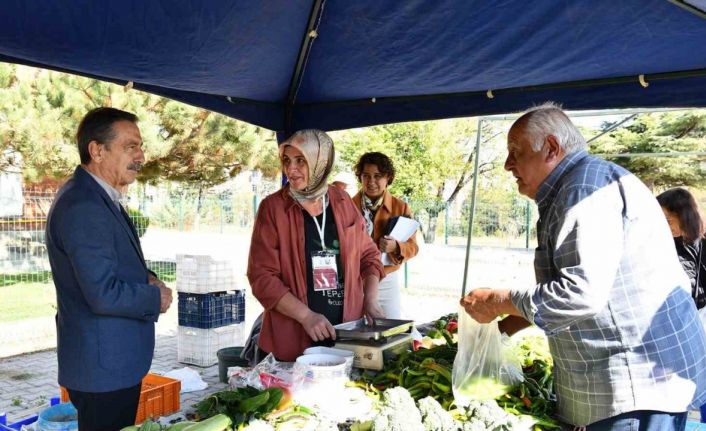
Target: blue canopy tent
[336, 64]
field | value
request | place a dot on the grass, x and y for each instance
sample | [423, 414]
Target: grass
[22, 376]
[26, 300]
[166, 271]
[26, 296]
[30, 277]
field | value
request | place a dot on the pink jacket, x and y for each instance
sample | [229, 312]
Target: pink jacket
[276, 265]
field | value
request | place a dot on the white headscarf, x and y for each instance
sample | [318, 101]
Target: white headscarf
[317, 148]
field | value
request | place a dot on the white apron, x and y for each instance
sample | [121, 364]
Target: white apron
[389, 295]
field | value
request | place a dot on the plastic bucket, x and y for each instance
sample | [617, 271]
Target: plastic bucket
[229, 357]
[318, 368]
[349, 355]
[61, 417]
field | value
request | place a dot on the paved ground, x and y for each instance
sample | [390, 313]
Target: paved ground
[28, 380]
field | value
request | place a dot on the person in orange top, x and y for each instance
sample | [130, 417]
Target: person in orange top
[312, 264]
[376, 172]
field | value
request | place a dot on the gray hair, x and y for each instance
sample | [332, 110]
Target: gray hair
[549, 119]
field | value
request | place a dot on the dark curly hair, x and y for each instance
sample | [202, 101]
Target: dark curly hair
[383, 163]
[682, 204]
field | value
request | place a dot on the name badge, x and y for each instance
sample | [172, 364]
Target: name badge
[325, 271]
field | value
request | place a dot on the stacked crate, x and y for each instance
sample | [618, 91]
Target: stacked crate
[211, 309]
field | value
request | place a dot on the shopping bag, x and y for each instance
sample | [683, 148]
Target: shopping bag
[484, 367]
[702, 316]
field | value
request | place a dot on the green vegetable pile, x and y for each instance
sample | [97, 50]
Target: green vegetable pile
[215, 423]
[426, 372]
[483, 388]
[240, 405]
[535, 396]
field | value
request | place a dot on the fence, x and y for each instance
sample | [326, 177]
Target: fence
[23, 256]
[505, 224]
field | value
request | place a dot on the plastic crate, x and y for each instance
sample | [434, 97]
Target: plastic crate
[203, 274]
[695, 426]
[15, 426]
[211, 310]
[199, 346]
[4, 426]
[159, 396]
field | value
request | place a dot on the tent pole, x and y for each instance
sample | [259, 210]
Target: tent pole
[308, 38]
[281, 138]
[479, 134]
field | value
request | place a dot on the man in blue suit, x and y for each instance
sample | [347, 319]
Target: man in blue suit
[107, 299]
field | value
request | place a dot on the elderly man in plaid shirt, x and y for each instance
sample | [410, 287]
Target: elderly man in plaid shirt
[628, 347]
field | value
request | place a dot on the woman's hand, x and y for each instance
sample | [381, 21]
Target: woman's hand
[318, 327]
[372, 310]
[388, 244]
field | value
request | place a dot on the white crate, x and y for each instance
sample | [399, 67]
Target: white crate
[199, 346]
[203, 274]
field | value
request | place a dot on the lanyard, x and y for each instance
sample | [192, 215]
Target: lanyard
[698, 265]
[320, 228]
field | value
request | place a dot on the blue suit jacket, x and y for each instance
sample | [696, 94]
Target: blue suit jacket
[106, 308]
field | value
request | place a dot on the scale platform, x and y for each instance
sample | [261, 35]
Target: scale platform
[373, 344]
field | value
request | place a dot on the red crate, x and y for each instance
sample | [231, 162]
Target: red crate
[159, 396]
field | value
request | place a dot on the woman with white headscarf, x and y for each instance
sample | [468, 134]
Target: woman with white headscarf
[312, 264]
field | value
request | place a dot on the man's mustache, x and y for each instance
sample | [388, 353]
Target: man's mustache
[135, 166]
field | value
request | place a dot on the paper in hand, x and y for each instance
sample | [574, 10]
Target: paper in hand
[404, 228]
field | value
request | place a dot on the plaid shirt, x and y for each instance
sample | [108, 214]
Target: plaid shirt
[612, 297]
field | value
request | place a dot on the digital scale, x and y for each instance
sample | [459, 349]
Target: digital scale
[373, 344]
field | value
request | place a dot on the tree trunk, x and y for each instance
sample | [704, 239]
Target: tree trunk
[197, 216]
[430, 234]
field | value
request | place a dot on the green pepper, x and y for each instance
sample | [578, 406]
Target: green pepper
[447, 336]
[251, 404]
[276, 395]
[435, 333]
[440, 369]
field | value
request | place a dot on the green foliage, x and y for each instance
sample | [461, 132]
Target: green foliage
[683, 131]
[433, 161]
[25, 277]
[40, 111]
[140, 221]
[241, 405]
[165, 271]
[498, 215]
[176, 212]
[205, 148]
[425, 154]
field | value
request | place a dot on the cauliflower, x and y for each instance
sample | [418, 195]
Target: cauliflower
[488, 415]
[435, 418]
[398, 412]
[258, 425]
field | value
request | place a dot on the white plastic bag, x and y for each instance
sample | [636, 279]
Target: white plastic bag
[484, 368]
[271, 373]
[702, 316]
[190, 379]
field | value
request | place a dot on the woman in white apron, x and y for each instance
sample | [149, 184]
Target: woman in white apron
[376, 172]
